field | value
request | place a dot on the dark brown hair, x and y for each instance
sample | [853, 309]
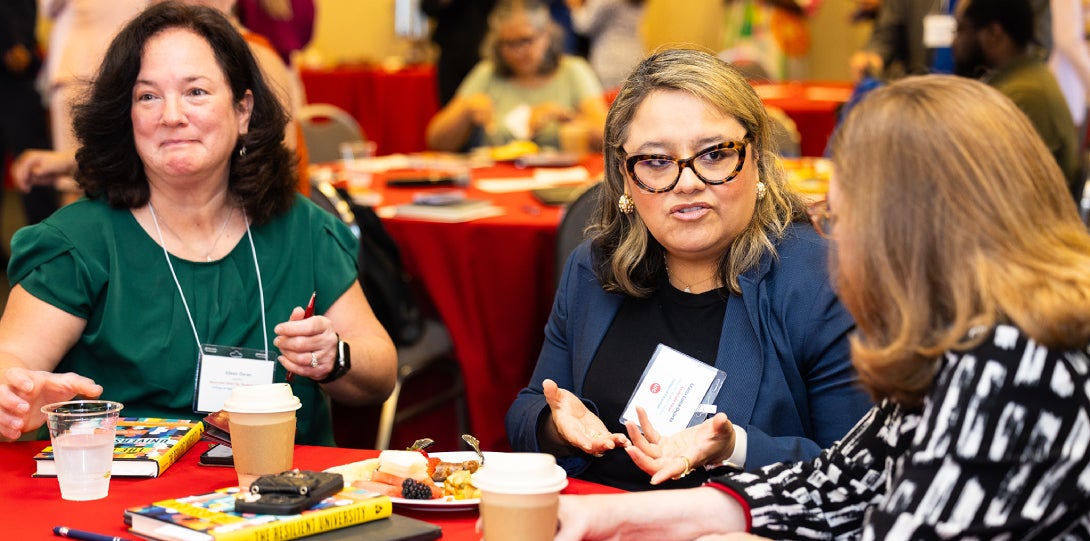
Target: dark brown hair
[263, 181]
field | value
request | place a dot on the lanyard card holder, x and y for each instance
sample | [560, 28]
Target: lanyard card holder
[676, 390]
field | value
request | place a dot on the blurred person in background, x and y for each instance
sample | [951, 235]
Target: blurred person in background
[1070, 61]
[287, 24]
[191, 235]
[968, 273]
[459, 28]
[613, 27]
[698, 243]
[898, 45]
[994, 42]
[23, 121]
[525, 88]
[80, 32]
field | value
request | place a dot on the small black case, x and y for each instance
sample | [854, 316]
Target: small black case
[289, 492]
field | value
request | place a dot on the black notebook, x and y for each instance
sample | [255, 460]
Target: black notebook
[392, 528]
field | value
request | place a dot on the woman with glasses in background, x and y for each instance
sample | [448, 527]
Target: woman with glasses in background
[967, 269]
[524, 89]
[697, 243]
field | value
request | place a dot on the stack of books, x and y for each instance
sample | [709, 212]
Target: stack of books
[353, 513]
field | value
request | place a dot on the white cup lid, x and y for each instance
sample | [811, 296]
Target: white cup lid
[270, 398]
[520, 473]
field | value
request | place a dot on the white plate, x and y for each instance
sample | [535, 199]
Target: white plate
[444, 504]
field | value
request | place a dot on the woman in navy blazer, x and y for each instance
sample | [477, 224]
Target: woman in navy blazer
[697, 243]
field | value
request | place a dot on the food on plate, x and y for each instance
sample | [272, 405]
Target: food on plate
[513, 150]
[356, 471]
[408, 464]
[460, 485]
[415, 490]
[440, 471]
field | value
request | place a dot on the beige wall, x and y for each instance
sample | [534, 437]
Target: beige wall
[363, 30]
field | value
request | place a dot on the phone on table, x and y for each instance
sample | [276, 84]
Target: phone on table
[217, 455]
[288, 493]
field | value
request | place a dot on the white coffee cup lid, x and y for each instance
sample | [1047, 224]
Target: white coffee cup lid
[270, 398]
[520, 473]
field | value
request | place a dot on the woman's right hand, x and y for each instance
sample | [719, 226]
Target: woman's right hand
[576, 425]
[23, 392]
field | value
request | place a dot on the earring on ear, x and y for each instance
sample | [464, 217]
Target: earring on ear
[761, 190]
[242, 152]
[625, 204]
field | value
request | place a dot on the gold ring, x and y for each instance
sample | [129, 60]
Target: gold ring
[688, 467]
[314, 359]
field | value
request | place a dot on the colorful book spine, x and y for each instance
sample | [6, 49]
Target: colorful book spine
[211, 516]
[143, 447]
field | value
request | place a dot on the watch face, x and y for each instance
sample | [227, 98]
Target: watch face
[344, 357]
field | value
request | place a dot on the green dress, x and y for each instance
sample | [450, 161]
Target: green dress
[97, 263]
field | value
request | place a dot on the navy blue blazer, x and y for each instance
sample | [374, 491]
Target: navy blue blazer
[784, 347]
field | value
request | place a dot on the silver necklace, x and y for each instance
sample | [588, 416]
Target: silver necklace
[208, 255]
[215, 242]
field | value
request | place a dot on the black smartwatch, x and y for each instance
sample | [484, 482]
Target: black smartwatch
[343, 364]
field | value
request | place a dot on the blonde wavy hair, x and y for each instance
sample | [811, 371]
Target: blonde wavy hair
[955, 215]
[628, 259]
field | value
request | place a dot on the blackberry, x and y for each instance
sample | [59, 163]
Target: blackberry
[412, 489]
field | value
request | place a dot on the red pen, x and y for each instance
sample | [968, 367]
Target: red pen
[307, 312]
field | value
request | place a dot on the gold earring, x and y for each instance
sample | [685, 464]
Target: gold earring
[761, 190]
[625, 204]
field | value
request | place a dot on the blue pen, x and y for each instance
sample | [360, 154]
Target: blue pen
[64, 531]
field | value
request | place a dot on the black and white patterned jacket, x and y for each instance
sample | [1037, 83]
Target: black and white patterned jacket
[999, 451]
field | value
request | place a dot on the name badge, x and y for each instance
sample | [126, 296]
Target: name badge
[676, 390]
[939, 30]
[222, 368]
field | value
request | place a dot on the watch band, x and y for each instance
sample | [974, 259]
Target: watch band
[342, 365]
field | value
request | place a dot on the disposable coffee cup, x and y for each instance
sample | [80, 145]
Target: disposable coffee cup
[520, 495]
[574, 138]
[262, 423]
[82, 434]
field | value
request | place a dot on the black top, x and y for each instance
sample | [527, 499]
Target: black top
[686, 322]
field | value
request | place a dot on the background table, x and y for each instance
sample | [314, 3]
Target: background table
[492, 282]
[392, 106]
[33, 506]
[812, 105]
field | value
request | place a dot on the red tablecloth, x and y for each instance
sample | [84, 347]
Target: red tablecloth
[492, 282]
[32, 507]
[813, 107]
[392, 107]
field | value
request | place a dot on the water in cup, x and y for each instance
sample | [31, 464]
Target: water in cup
[354, 155]
[82, 435]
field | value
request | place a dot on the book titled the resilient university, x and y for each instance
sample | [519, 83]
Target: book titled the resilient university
[212, 517]
[144, 446]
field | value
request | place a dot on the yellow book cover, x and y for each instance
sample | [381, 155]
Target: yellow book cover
[212, 517]
[143, 447]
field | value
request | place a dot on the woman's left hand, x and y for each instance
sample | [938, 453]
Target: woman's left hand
[673, 457]
[308, 345]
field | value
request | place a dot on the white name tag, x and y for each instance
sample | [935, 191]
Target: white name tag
[675, 390]
[939, 30]
[222, 368]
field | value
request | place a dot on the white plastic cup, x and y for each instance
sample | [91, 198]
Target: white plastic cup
[261, 419]
[354, 155]
[520, 495]
[82, 434]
